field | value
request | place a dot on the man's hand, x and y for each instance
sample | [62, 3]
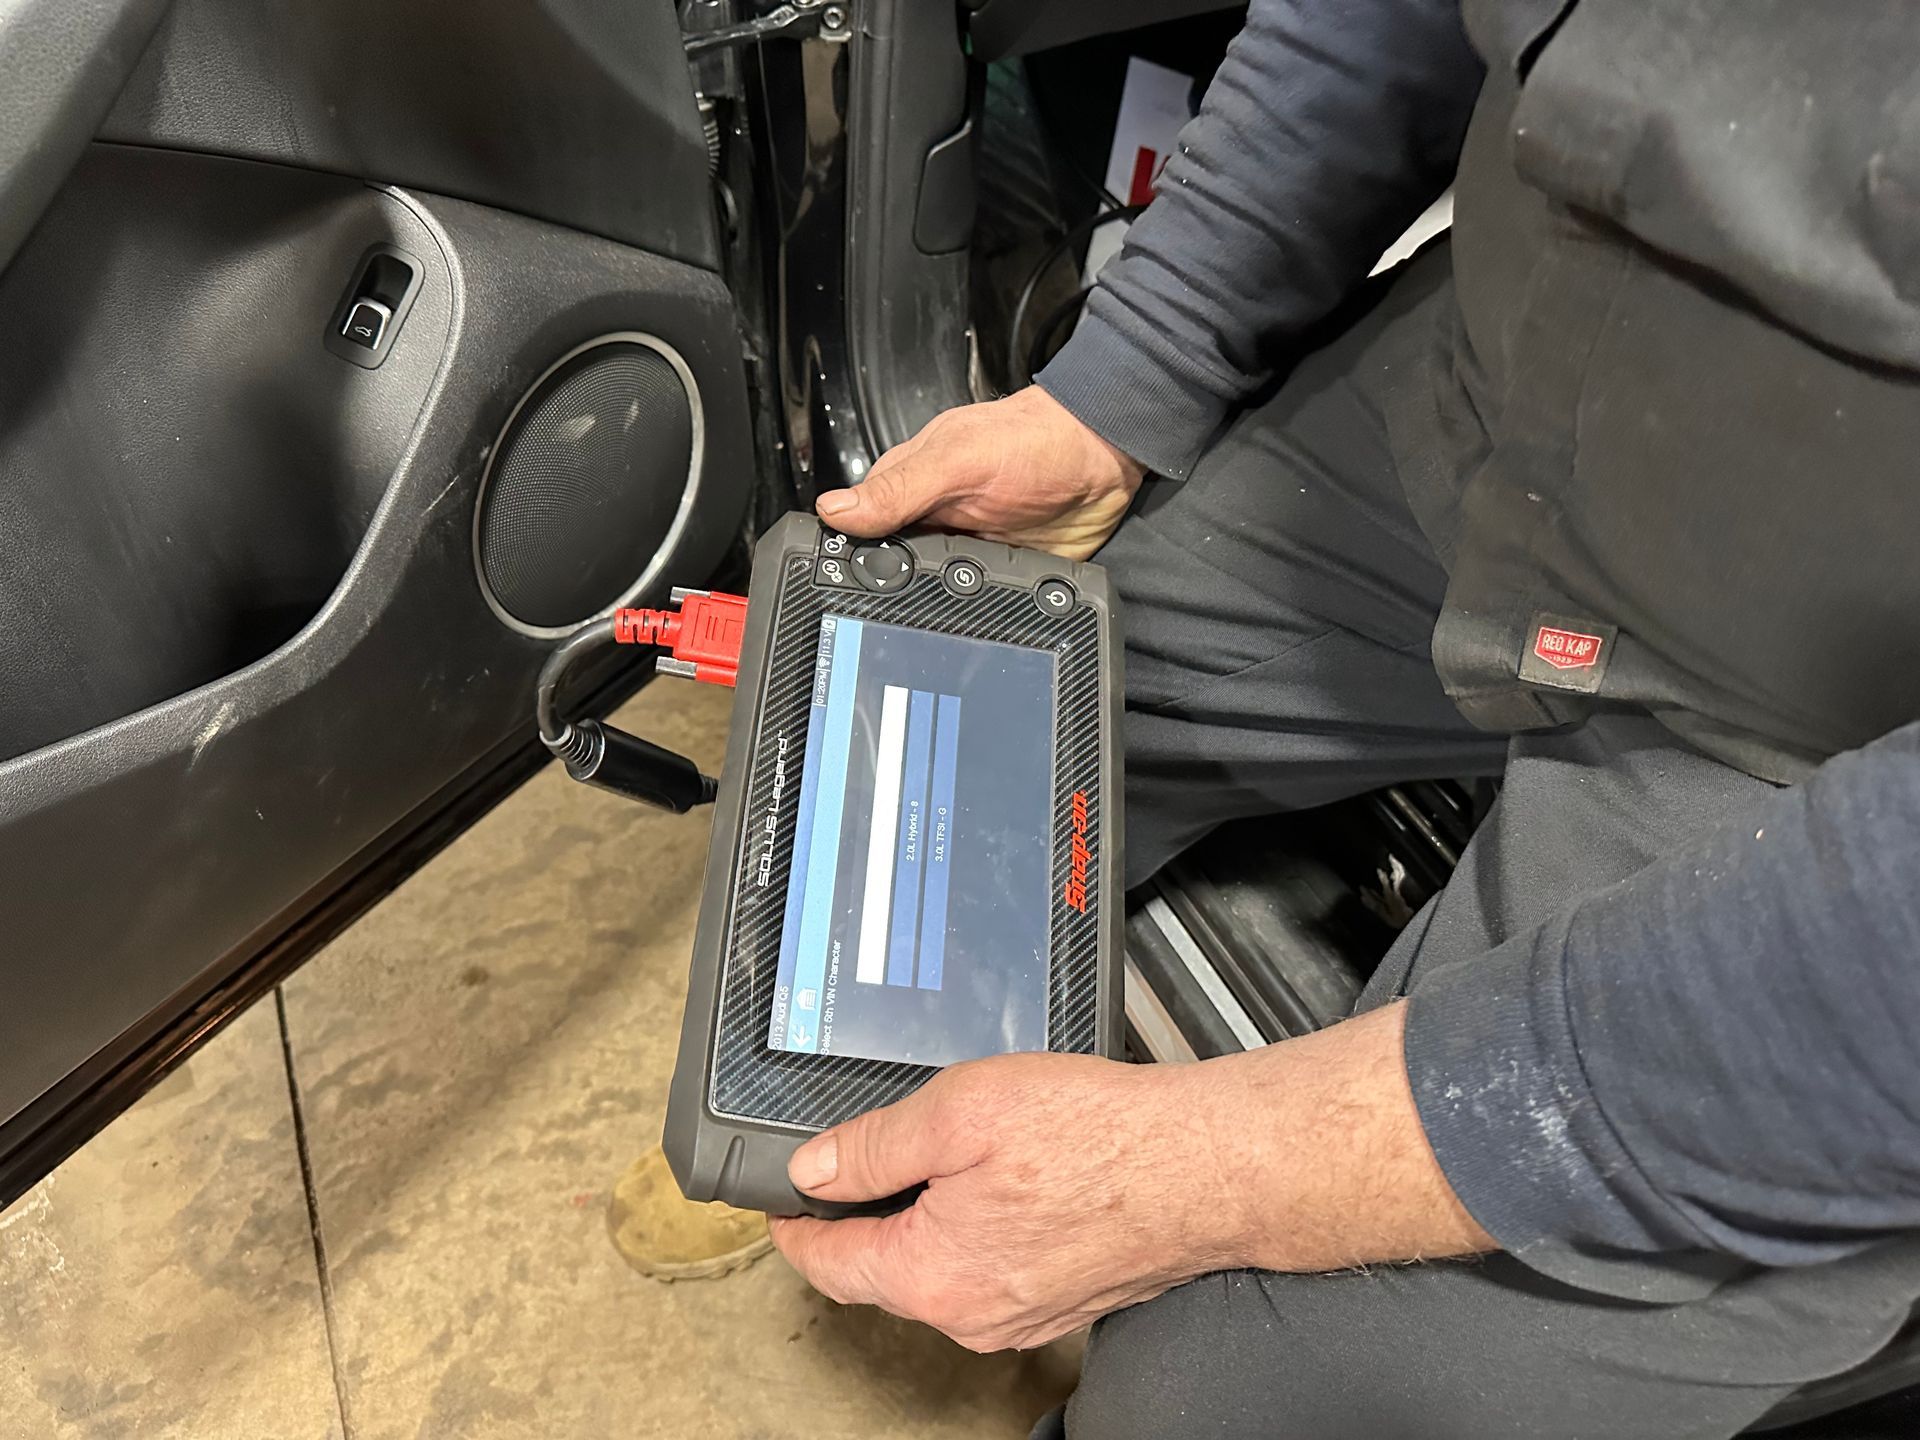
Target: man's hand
[1061, 1187]
[1022, 470]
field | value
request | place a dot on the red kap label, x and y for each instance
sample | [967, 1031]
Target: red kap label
[1567, 649]
[1567, 652]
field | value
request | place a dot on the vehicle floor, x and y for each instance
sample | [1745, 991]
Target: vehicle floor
[374, 1206]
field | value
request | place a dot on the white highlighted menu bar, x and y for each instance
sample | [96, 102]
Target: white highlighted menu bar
[870, 964]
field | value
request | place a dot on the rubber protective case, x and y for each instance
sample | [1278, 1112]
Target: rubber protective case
[737, 1109]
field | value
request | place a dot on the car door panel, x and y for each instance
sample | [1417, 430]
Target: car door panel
[62, 63]
[188, 469]
[242, 635]
[575, 111]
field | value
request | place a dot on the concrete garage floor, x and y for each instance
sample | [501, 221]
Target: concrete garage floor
[471, 1067]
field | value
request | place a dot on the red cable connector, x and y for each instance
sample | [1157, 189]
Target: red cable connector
[704, 634]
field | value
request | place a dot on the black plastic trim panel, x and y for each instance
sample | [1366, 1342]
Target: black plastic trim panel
[1164, 973]
[576, 111]
[139, 853]
[1004, 28]
[907, 310]
[62, 62]
[1263, 992]
[90, 1097]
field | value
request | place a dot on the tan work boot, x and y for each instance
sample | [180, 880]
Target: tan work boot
[663, 1234]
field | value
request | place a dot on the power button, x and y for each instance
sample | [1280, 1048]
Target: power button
[1055, 596]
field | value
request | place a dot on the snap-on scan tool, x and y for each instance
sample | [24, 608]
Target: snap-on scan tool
[915, 845]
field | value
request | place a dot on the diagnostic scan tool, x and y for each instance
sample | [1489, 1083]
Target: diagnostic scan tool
[916, 842]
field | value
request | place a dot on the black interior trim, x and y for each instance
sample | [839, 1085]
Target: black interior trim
[1004, 28]
[62, 62]
[907, 310]
[1262, 990]
[1163, 972]
[189, 467]
[140, 850]
[70, 1114]
[578, 112]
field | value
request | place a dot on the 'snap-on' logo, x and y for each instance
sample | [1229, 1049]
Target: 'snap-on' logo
[1567, 649]
[1078, 855]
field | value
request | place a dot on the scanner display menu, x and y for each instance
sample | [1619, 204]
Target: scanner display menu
[919, 905]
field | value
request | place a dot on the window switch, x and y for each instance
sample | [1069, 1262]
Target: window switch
[366, 324]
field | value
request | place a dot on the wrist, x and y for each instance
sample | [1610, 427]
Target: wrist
[1316, 1154]
[1136, 392]
[1110, 468]
[1208, 1215]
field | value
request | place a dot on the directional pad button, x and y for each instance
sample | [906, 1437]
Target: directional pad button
[882, 566]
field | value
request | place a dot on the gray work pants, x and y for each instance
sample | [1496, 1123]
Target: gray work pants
[1279, 606]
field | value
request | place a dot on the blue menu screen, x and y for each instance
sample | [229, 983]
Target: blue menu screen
[919, 906]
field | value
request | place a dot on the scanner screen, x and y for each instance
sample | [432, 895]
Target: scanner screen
[919, 904]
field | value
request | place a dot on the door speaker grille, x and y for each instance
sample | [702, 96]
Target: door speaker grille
[589, 484]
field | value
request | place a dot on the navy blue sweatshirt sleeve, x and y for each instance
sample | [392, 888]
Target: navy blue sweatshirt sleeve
[1328, 128]
[1712, 1065]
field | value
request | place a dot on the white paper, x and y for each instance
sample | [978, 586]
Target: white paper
[1153, 108]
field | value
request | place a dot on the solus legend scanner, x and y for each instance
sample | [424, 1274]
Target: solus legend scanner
[916, 839]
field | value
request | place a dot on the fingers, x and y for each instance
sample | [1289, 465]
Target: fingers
[845, 1260]
[885, 1151]
[891, 498]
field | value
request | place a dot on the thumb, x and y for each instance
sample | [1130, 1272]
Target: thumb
[889, 499]
[878, 1154]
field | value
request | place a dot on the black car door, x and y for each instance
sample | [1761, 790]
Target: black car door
[352, 353]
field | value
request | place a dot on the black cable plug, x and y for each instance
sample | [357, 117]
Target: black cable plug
[598, 754]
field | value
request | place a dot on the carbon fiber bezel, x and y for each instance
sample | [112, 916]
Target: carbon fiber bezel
[738, 1108]
[753, 1082]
